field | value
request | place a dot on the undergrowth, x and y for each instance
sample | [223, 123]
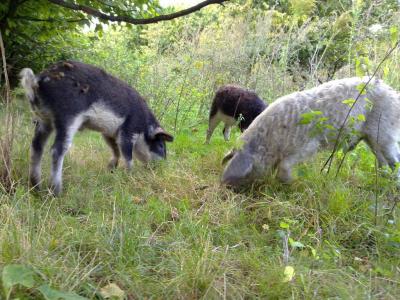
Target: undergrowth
[171, 231]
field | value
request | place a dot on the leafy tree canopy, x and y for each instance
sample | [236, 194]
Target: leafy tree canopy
[36, 32]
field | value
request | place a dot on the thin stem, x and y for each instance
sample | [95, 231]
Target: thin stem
[376, 173]
[335, 147]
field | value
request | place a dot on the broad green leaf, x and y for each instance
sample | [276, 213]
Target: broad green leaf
[281, 233]
[349, 102]
[361, 118]
[323, 119]
[295, 244]
[283, 225]
[330, 127]
[308, 117]
[17, 274]
[52, 294]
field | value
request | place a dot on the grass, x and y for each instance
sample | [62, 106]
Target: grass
[171, 231]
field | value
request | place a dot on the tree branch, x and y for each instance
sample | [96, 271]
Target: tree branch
[91, 11]
[28, 18]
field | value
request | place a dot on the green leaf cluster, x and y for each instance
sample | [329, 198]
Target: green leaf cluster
[15, 276]
[37, 33]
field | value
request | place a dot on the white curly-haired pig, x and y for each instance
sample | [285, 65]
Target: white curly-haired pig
[296, 126]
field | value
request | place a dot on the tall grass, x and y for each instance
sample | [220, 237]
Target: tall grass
[7, 134]
[171, 230]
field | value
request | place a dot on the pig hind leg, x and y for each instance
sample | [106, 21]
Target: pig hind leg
[212, 124]
[115, 151]
[126, 147]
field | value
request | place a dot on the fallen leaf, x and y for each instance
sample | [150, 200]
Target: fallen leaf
[288, 273]
[137, 200]
[112, 291]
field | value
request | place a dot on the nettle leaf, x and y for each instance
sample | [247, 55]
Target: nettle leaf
[349, 102]
[52, 294]
[330, 127]
[295, 244]
[308, 117]
[281, 233]
[361, 118]
[283, 225]
[362, 88]
[323, 119]
[17, 274]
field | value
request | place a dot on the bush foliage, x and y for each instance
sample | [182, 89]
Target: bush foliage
[172, 231]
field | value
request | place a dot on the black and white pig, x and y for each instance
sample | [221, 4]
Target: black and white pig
[71, 96]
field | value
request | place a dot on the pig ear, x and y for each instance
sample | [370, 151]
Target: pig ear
[228, 156]
[238, 169]
[159, 132]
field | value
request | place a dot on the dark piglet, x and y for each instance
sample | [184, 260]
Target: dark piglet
[233, 104]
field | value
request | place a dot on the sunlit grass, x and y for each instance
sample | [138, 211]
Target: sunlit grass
[171, 230]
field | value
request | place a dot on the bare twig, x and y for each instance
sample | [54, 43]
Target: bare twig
[341, 163]
[116, 18]
[49, 20]
[285, 245]
[3, 57]
[6, 139]
[376, 173]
